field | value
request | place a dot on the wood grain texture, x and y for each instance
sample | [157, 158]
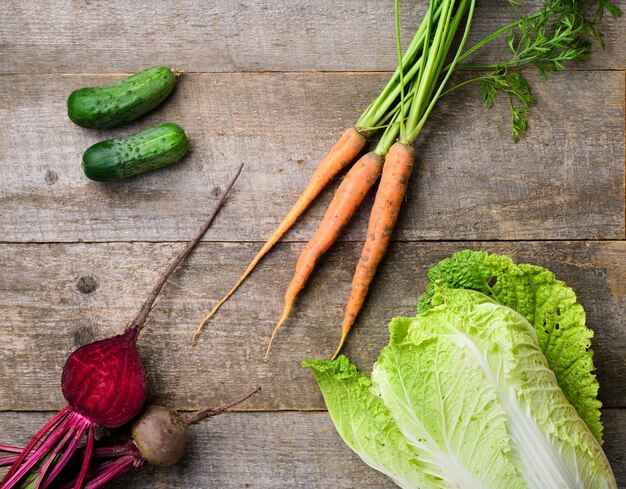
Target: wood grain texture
[564, 181]
[45, 315]
[63, 36]
[277, 450]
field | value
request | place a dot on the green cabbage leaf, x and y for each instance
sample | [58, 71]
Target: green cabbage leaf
[547, 303]
[463, 397]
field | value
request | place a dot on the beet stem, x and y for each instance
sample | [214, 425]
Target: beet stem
[115, 451]
[139, 321]
[79, 431]
[52, 457]
[25, 463]
[10, 449]
[106, 472]
[195, 416]
[45, 429]
[82, 475]
[6, 461]
[120, 467]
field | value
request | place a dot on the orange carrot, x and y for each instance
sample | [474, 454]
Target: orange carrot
[345, 150]
[389, 197]
[347, 199]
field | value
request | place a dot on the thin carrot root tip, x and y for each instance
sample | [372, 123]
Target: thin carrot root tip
[343, 152]
[194, 338]
[210, 315]
[243, 277]
[341, 343]
[282, 320]
[269, 345]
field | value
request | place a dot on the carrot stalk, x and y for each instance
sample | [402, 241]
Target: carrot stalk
[343, 153]
[347, 199]
[376, 116]
[389, 197]
[426, 90]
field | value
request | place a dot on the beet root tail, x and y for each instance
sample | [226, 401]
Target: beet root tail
[195, 416]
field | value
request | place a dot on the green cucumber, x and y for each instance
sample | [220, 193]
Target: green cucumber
[148, 150]
[112, 105]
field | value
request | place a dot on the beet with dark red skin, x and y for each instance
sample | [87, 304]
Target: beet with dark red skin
[104, 384]
[158, 436]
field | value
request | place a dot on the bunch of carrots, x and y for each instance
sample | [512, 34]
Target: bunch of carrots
[545, 39]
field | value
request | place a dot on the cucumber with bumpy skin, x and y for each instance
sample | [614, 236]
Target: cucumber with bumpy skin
[112, 105]
[148, 150]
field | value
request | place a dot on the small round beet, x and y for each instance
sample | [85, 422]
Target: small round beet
[160, 435]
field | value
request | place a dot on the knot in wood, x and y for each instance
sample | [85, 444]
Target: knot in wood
[50, 177]
[86, 284]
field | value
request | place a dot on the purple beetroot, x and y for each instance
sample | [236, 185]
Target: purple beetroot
[104, 384]
[158, 437]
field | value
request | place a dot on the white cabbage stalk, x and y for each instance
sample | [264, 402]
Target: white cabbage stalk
[463, 398]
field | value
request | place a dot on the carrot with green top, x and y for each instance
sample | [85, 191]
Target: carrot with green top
[545, 39]
[392, 189]
[401, 157]
[378, 115]
[349, 196]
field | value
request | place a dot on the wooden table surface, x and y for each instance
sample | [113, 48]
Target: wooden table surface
[272, 84]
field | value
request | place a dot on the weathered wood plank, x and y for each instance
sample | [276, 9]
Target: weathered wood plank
[45, 315]
[276, 450]
[62, 36]
[564, 181]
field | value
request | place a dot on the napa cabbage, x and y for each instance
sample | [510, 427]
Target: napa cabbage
[464, 395]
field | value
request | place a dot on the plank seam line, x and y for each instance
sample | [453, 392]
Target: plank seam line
[188, 409]
[273, 72]
[248, 411]
[259, 242]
